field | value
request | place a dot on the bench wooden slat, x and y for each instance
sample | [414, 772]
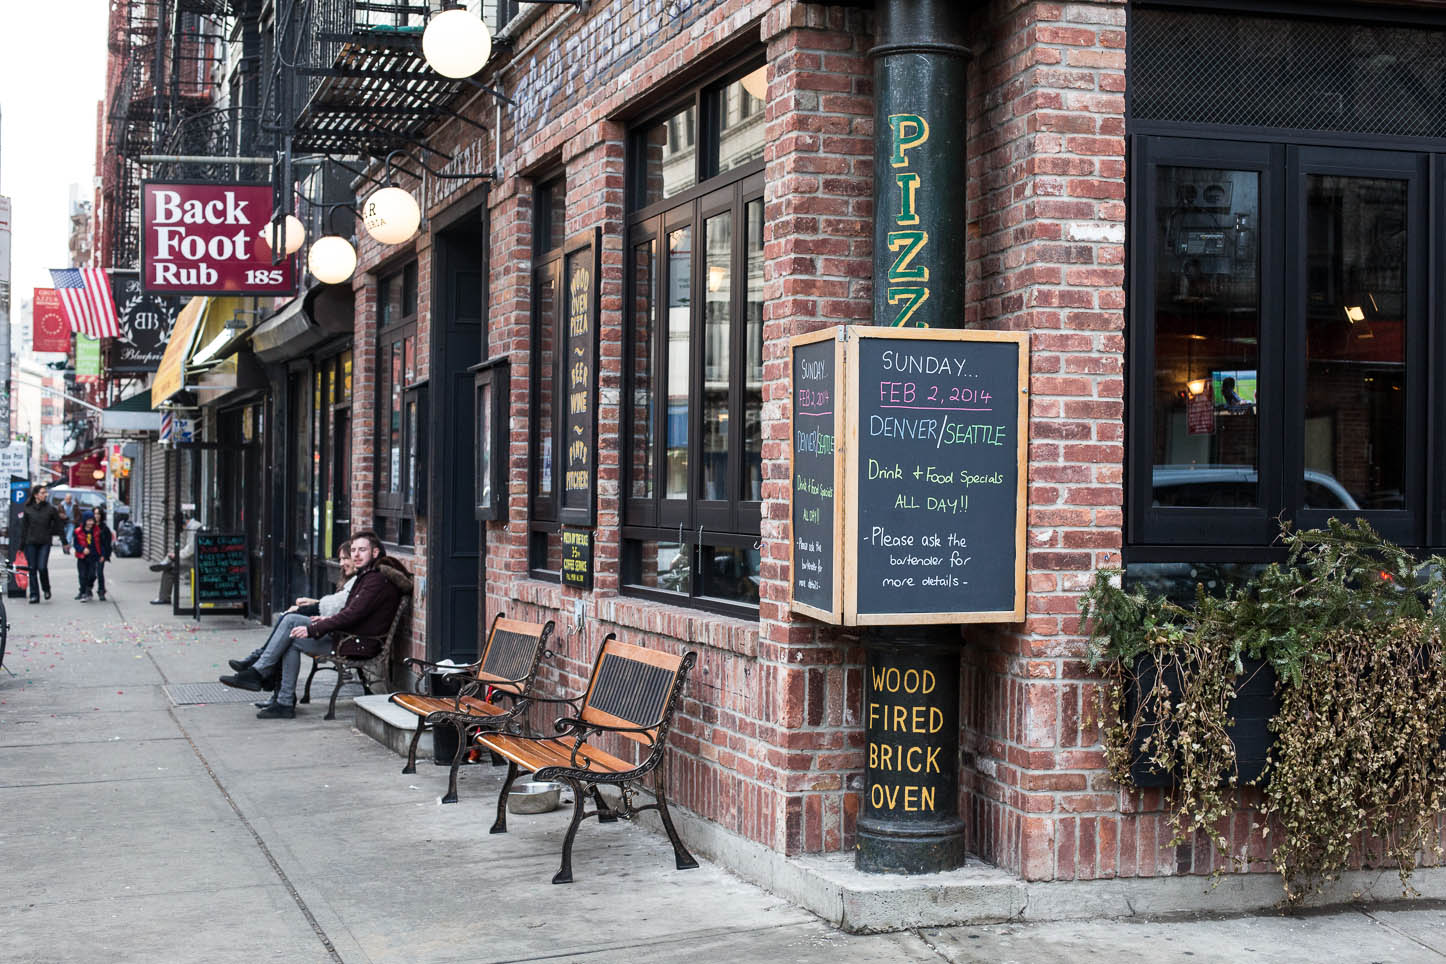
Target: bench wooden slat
[630, 687]
[427, 705]
[533, 755]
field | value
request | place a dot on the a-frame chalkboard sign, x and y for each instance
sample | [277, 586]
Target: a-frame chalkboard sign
[909, 453]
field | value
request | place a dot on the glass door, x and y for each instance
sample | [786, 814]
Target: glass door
[1359, 221]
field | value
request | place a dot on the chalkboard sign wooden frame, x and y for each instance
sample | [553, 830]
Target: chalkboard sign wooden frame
[206, 599]
[803, 424]
[581, 284]
[850, 456]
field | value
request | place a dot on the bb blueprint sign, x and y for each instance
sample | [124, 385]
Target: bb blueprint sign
[206, 239]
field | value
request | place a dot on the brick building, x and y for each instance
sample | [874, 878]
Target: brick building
[1221, 263]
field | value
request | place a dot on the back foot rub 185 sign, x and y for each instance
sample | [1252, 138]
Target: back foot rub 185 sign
[908, 475]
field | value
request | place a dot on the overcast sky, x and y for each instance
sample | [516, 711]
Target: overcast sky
[52, 74]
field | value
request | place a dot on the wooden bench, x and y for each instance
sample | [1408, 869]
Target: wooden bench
[507, 668]
[632, 692]
[345, 666]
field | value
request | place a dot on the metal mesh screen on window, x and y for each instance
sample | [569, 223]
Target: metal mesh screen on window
[1207, 68]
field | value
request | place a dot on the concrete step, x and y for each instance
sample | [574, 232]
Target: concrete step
[390, 725]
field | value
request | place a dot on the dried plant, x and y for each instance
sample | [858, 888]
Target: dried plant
[1351, 625]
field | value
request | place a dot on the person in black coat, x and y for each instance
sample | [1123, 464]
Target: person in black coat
[105, 543]
[40, 522]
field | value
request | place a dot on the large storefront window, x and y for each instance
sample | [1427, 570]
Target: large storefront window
[548, 236]
[1279, 352]
[694, 359]
[397, 450]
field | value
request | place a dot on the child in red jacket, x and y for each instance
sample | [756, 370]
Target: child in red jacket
[87, 556]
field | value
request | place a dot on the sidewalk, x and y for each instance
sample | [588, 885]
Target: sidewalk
[132, 829]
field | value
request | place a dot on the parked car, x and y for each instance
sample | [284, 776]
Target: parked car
[86, 498]
[1235, 486]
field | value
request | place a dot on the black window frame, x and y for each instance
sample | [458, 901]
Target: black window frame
[1207, 535]
[549, 250]
[396, 513]
[696, 524]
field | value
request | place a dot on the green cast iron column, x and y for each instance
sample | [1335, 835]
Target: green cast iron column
[910, 822]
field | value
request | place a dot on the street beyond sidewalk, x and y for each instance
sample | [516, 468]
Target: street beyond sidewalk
[132, 829]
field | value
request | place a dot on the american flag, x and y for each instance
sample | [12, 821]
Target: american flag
[85, 293]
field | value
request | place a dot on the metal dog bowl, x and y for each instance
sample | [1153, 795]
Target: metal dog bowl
[533, 797]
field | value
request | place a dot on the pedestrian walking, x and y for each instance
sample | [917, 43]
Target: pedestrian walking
[87, 556]
[70, 516]
[105, 544]
[40, 523]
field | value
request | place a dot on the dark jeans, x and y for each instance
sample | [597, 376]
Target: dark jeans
[87, 570]
[100, 576]
[37, 559]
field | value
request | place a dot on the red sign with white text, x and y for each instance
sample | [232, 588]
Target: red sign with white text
[52, 328]
[206, 239]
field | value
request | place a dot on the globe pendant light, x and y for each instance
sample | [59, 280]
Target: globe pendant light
[391, 215]
[332, 259]
[456, 43]
[293, 229]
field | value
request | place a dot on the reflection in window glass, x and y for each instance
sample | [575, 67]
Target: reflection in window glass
[545, 331]
[664, 565]
[1207, 338]
[484, 445]
[1355, 404]
[753, 345]
[670, 156]
[642, 469]
[394, 421]
[680, 281]
[740, 109]
[384, 394]
[717, 331]
[730, 572]
[412, 449]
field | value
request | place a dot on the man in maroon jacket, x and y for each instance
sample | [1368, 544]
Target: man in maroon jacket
[368, 611]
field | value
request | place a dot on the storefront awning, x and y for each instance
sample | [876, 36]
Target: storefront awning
[224, 326]
[170, 375]
[132, 414]
[237, 373]
[307, 321]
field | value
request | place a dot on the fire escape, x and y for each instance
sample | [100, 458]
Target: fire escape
[166, 95]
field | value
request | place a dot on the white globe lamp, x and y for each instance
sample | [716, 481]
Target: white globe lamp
[291, 227]
[332, 259]
[456, 43]
[391, 215]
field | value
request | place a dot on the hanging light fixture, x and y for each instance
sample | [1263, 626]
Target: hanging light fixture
[456, 43]
[391, 215]
[756, 83]
[332, 259]
[290, 229]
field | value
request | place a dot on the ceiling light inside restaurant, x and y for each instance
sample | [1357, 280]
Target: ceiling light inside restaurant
[289, 231]
[391, 215]
[1196, 386]
[332, 259]
[456, 43]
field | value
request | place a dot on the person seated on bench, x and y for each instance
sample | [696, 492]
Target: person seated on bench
[300, 613]
[370, 606]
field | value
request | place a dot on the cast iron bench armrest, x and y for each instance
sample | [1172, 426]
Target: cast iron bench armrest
[571, 724]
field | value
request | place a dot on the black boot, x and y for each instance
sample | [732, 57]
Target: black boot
[246, 679]
[239, 664]
[278, 711]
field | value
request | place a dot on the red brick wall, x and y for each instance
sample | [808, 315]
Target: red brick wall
[1047, 216]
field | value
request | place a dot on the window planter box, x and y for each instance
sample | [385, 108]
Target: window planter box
[1252, 707]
